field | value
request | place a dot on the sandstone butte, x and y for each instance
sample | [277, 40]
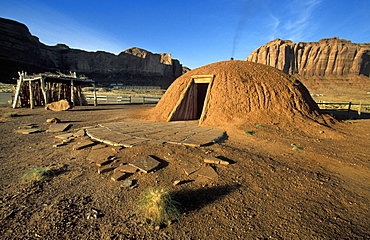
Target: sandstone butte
[331, 56]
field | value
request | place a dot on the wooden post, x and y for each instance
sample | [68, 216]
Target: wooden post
[31, 93]
[72, 94]
[95, 99]
[79, 90]
[349, 108]
[43, 89]
[19, 86]
[360, 108]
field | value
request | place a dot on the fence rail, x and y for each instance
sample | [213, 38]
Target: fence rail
[135, 87]
[349, 104]
[123, 99]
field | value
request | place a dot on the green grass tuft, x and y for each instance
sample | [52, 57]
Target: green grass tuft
[157, 205]
[249, 133]
[297, 148]
[35, 174]
[10, 114]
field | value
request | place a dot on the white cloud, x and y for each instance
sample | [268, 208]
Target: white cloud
[274, 26]
[294, 22]
[300, 24]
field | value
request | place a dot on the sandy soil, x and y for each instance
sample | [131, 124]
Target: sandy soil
[270, 191]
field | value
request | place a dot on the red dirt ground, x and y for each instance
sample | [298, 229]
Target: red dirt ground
[270, 191]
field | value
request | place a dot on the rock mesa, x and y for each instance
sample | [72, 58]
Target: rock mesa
[331, 56]
[20, 51]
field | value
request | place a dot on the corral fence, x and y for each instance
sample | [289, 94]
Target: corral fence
[110, 99]
[134, 87]
[345, 105]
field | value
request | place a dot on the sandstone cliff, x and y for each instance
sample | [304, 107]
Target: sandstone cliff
[333, 56]
[20, 51]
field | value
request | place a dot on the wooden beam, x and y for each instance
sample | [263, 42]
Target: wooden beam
[203, 76]
[206, 100]
[183, 94]
[202, 80]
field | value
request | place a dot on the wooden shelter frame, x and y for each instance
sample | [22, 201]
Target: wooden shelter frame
[196, 79]
[42, 79]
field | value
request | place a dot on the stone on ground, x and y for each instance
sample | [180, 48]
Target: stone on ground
[207, 172]
[118, 176]
[58, 127]
[145, 164]
[61, 105]
[83, 144]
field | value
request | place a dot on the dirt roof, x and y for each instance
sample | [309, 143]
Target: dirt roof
[244, 92]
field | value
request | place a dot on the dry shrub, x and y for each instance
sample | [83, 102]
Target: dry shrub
[157, 205]
[35, 174]
[10, 114]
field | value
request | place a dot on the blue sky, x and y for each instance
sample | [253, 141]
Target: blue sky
[196, 32]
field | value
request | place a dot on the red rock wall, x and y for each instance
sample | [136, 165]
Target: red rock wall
[333, 56]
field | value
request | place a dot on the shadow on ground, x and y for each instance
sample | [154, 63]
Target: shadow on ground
[343, 114]
[191, 200]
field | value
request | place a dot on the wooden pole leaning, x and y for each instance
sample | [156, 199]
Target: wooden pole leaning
[43, 89]
[19, 86]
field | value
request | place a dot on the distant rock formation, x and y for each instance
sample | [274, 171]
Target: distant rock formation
[331, 56]
[20, 51]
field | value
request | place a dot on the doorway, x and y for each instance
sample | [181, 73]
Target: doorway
[193, 101]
